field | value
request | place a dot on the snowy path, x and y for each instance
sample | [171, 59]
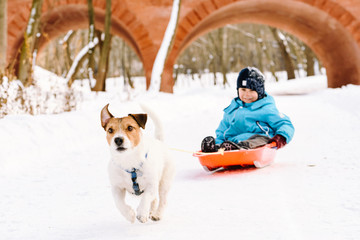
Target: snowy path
[54, 184]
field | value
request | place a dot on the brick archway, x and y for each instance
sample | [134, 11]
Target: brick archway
[330, 27]
[326, 26]
[130, 21]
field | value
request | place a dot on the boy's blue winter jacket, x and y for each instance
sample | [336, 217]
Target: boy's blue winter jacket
[243, 120]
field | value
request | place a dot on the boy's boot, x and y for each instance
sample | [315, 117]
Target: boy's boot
[208, 144]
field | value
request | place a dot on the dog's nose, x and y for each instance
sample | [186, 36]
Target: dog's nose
[118, 141]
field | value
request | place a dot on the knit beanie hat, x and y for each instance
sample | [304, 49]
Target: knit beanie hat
[252, 78]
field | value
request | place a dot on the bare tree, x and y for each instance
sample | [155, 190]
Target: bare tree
[289, 65]
[126, 68]
[223, 54]
[29, 43]
[104, 53]
[91, 37]
[165, 47]
[216, 45]
[66, 45]
[310, 71]
[78, 62]
[3, 35]
[220, 51]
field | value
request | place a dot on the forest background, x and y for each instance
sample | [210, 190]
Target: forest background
[94, 55]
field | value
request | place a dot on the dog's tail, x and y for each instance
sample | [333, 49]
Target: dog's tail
[159, 131]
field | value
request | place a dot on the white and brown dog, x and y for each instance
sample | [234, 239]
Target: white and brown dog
[139, 164]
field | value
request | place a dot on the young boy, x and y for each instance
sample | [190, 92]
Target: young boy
[252, 119]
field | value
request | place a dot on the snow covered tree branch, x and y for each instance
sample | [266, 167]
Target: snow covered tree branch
[164, 48]
[81, 55]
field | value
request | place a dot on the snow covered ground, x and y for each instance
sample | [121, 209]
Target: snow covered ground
[54, 183]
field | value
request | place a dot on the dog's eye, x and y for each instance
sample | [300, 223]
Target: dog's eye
[130, 128]
[110, 130]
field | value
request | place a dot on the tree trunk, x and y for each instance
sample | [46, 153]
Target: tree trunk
[91, 59]
[296, 49]
[66, 44]
[166, 45]
[289, 65]
[223, 55]
[28, 46]
[214, 70]
[3, 35]
[259, 41]
[213, 48]
[126, 68]
[176, 74]
[57, 52]
[270, 60]
[104, 54]
[310, 71]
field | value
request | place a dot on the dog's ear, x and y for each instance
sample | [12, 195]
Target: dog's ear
[140, 119]
[105, 116]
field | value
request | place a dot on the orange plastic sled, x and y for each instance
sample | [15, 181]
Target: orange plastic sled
[259, 157]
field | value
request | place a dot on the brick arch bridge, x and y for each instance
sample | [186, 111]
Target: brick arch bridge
[331, 28]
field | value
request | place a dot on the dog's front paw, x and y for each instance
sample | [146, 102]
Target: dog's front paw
[130, 215]
[142, 218]
[155, 217]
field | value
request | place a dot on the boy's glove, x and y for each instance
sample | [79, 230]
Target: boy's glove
[279, 140]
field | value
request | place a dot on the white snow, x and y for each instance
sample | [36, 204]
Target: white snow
[31, 21]
[66, 37]
[54, 183]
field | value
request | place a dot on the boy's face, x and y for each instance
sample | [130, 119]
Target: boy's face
[247, 95]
